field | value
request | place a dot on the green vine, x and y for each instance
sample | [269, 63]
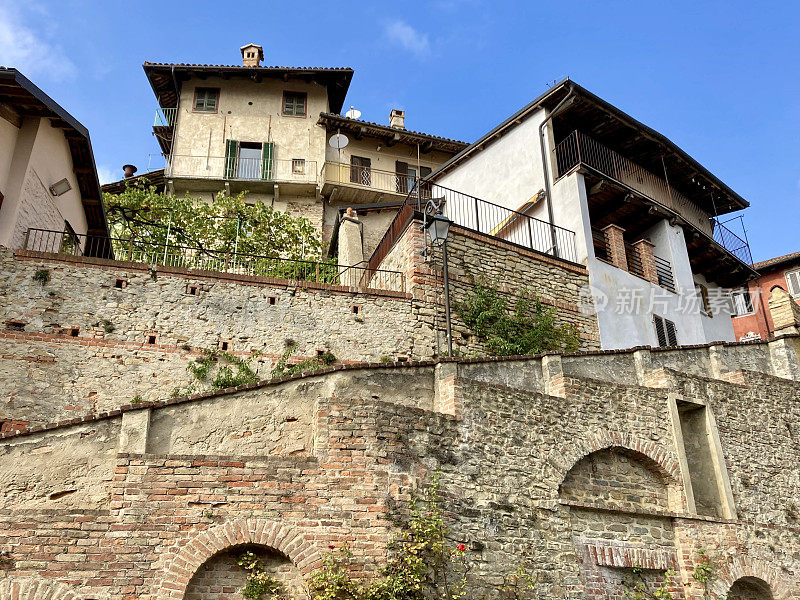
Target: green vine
[636, 586]
[260, 584]
[283, 369]
[530, 328]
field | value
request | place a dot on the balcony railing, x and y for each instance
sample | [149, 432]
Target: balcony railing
[170, 255]
[367, 177]
[579, 149]
[241, 168]
[732, 243]
[165, 117]
[484, 217]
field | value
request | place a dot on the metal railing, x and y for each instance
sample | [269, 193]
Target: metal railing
[385, 181]
[579, 149]
[664, 272]
[732, 243]
[484, 217]
[165, 117]
[634, 260]
[241, 168]
[501, 222]
[170, 255]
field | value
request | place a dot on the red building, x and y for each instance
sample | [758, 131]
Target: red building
[752, 318]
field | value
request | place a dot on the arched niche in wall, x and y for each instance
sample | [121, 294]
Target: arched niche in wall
[222, 578]
[620, 504]
[750, 588]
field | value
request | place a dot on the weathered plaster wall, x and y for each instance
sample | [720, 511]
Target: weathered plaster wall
[583, 475]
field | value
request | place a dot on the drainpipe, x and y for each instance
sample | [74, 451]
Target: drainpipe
[568, 101]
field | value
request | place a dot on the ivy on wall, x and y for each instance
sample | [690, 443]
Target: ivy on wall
[529, 328]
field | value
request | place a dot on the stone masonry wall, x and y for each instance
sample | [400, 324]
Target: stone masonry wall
[100, 333]
[512, 270]
[585, 476]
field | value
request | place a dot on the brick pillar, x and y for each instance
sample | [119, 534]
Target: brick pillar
[644, 248]
[615, 246]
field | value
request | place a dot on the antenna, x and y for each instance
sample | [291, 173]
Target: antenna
[353, 113]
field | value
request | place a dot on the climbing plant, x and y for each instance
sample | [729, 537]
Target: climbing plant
[260, 584]
[282, 368]
[144, 214]
[529, 328]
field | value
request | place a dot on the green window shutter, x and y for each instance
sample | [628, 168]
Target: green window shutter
[231, 155]
[267, 159]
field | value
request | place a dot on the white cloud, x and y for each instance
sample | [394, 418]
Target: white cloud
[29, 50]
[408, 38]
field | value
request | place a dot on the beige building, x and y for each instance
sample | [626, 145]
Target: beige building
[48, 179]
[266, 130]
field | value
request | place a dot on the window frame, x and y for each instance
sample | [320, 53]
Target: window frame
[298, 166]
[203, 110]
[742, 292]
[305, 103]
[786, 275]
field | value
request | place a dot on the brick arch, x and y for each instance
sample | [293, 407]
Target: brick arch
[25, 588]
[286, 539]
[743, 566]
[655, 457]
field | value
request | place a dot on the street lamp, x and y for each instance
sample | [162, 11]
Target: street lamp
[438, 228]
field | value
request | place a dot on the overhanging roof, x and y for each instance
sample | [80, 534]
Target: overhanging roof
[166, 78]
[155, 178]
[18, 92]
[778, 262]
[391, 135]
[609, 125]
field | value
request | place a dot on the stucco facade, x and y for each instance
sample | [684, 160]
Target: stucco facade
[507, 170]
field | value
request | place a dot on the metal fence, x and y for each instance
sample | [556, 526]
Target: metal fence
[151, 253]
[499, 221]
[241, 168]
[732, 243]
[165, 117]
[385, 181]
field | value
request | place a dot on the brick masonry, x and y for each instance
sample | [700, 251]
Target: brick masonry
[585, 474]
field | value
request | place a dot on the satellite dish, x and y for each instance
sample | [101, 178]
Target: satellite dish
[338, 141]
[352, 113]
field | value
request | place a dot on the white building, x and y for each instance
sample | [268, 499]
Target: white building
[48, 179]
[640, 208]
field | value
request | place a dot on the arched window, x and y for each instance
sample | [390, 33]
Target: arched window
[750, 588]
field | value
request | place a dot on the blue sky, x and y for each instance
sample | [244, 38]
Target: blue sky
[718, 78]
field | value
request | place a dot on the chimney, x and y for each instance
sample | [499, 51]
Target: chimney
[252, 55]
[397, 118]
[129, 170]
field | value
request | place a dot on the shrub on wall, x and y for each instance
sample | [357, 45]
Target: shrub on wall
[528, 328]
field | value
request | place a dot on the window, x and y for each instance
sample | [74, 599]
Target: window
[249, 160]
[298, 166]
[360, 170]
[793, 281]
[702, 294]
[665, 331]
[407, 176]
[742, 302]
[294, 104]
[205, 99]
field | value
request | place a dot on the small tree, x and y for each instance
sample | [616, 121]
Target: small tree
[143, 213]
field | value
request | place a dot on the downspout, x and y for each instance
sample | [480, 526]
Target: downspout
[571, 97]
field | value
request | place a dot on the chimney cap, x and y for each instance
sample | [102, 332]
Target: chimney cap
[259, 52]
[397, 118]
[129, 170]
